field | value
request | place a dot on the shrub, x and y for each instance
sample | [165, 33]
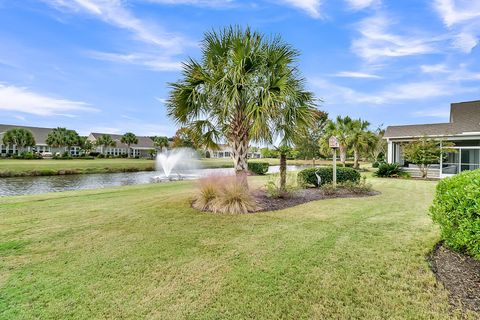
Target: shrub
[273, 185]
[307, 177]
[456, 208]
[390, 170]
[27, 155]
[208, 190]
[376, 164]
[360, 187]
[224, 195]
[258, 167]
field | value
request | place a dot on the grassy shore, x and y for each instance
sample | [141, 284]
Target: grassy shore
[143, 252]
[44, 167]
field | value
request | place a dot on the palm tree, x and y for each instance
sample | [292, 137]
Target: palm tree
[105, 141]
[19, 137]
[358, 139]
[246, 88]
[85, 145]
[57, 138]
[342, 129]
[160, 142]
[129, 138]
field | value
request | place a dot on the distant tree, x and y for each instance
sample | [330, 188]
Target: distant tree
[377, 145]
[184, 138]
[62, 138]
[160, 142]
[358, 139]
[21, 138]
[105, 141]
[307, 140]
[268, 153]
[425, 152]
[129, 138]
[86, 146]
[340, 128]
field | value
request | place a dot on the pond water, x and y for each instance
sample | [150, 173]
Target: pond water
[35, 185]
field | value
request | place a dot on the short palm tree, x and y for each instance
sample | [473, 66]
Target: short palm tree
[105, 141]
[246, 88]
[57, 138]
[19, 137]
[342, 129]
[160, 142]
[129, 138]
[359, 139]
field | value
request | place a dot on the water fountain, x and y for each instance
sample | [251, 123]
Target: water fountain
[176, 164]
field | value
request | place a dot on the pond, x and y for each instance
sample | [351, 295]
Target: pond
[36, 185]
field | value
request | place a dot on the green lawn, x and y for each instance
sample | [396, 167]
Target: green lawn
[142, 252]
[13, 167]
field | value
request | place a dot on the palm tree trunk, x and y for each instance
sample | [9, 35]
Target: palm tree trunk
[283, 172]
[128, 151]
[239, 155]
[355, 158]
[343, 154]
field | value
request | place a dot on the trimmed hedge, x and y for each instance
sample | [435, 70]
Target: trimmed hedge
[456, 208]
[258, 167]
[307, 177]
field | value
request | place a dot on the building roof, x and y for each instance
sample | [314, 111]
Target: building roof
[143, 142]
[464, 120]
[40, 134]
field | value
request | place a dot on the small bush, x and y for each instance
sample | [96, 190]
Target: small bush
[258, 167]
[308, 177]
[27, 155]
[456, 208]
[224, 195]
[390, 170]
[360, 187]
[208, 190]
[377, 164]
[272, 187]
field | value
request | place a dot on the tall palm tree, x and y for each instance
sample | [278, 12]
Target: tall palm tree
[57, 138]
[86, 146]
[129, 138]
[105, 141]
[246, 88]
[342, 129]
[359, 139]
[19, 137]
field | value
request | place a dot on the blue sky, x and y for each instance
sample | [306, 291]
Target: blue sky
[104, 65]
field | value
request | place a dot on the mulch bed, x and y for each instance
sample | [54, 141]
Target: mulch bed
[460, 274]
[266, 203]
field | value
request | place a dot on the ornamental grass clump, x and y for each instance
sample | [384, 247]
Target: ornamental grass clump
[456, 208]
[224, 195]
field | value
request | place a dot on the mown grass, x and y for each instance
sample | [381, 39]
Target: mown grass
[143, 252]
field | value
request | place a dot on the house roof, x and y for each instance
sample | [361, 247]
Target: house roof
[40, 134]
[143, 142]
[464, 119]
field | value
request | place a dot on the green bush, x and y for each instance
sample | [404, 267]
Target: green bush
[272, 187]
[456, 208]
[307, 177]
[258, 167]
[28, 155]
[377, 164]
[390, 170]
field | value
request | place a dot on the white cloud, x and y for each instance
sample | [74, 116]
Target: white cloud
[203, 3]
[433, 113]
[335, 94]
[150, 61]
[353, 74]
[454, 12]
[23, 100]
[463, 18]
[361, 4]
[377, 42]
[311, 7]
[117, 14]
[434, 68]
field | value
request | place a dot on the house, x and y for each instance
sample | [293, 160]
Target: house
[463, 130]
[225, 151]
[142, 149]
[40, 136]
